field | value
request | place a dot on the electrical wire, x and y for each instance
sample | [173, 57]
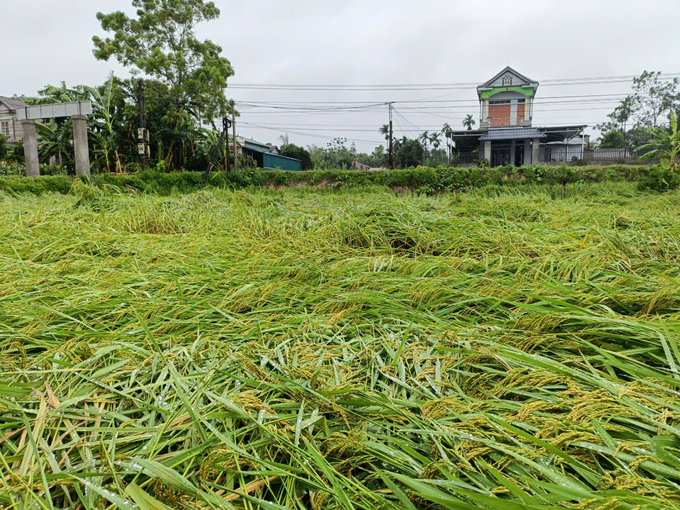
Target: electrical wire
[436, 86]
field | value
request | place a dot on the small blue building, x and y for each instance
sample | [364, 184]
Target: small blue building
[267, 157]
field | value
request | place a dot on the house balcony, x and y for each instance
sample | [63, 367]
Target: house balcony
[496, 122]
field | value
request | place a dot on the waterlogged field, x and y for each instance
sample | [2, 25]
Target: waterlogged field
[309, 349]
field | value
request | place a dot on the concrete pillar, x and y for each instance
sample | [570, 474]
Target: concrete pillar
[487, 150]
[31, 148]
[81, 149]
[527, 152]
[535, 146]
[513, 149]
[513, 112]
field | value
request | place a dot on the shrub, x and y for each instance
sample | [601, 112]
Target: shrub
[427, 180]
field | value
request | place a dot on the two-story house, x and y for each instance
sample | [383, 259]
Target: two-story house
[10, 128]
[506, 135]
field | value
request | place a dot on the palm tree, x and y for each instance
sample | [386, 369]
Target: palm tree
[385, 131]
[468, 121]
[447, 131]
[435, 140]
[425, 138]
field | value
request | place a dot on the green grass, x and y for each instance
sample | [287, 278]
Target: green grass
[506, 348]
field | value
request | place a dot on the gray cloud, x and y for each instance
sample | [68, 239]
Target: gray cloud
[370, 42]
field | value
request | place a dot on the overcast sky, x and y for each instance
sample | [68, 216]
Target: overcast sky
[368, 42]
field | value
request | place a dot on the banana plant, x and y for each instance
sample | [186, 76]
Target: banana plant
[103, 127]
[665, 145]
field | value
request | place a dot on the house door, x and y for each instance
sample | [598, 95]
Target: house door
[500, 156]
[519, 154]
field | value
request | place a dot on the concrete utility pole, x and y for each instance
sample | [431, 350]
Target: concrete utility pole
[233, 125]
[225, 130]
[389, 142]
[80, 145]
[31, 148]
[141, 134]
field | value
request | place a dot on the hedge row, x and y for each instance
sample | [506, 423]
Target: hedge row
[425, 180]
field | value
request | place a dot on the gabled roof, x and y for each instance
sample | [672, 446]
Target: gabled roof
[508, 69]
[12, 104]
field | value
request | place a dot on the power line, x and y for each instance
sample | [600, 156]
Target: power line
[436, 86]
[313, 135]
[382, 103]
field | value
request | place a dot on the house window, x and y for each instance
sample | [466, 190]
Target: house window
[507, 81]
[521, 101]
[500, 101]
[4, 128]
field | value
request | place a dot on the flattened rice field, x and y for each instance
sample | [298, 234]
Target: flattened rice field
[312, 349]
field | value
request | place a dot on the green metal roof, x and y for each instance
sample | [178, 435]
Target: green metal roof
[270, 153]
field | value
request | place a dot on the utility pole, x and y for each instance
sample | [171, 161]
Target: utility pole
[216, 150]
[389, 142]
[142, 134]
[233, 125]
[225, 130]
[448, 146]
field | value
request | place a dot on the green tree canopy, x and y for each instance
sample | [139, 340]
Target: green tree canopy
[294, 151]
[409, 152]
[468, 121]
[613, 140]
[160, 43]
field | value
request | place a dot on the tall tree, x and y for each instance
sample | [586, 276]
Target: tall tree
[385, 131]
[409, 152]
[435, 140]
[294, 151]
[425, 138]
[468, 121]
[160, 42]
[653, 98]
[613, 139]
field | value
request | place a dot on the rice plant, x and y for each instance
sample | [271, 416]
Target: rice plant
[310, 349]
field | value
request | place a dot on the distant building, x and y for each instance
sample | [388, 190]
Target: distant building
[506, 135]
[360, 166]
[9, 126]
[265, 155]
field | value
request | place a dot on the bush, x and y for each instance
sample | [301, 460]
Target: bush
[425, 180]
[16, 154]
[659, 179]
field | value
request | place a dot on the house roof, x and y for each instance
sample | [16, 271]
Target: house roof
[468, 140]
[508, 69]
[252, 149]
[12, 104]
[255, 142]
[520, 133]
